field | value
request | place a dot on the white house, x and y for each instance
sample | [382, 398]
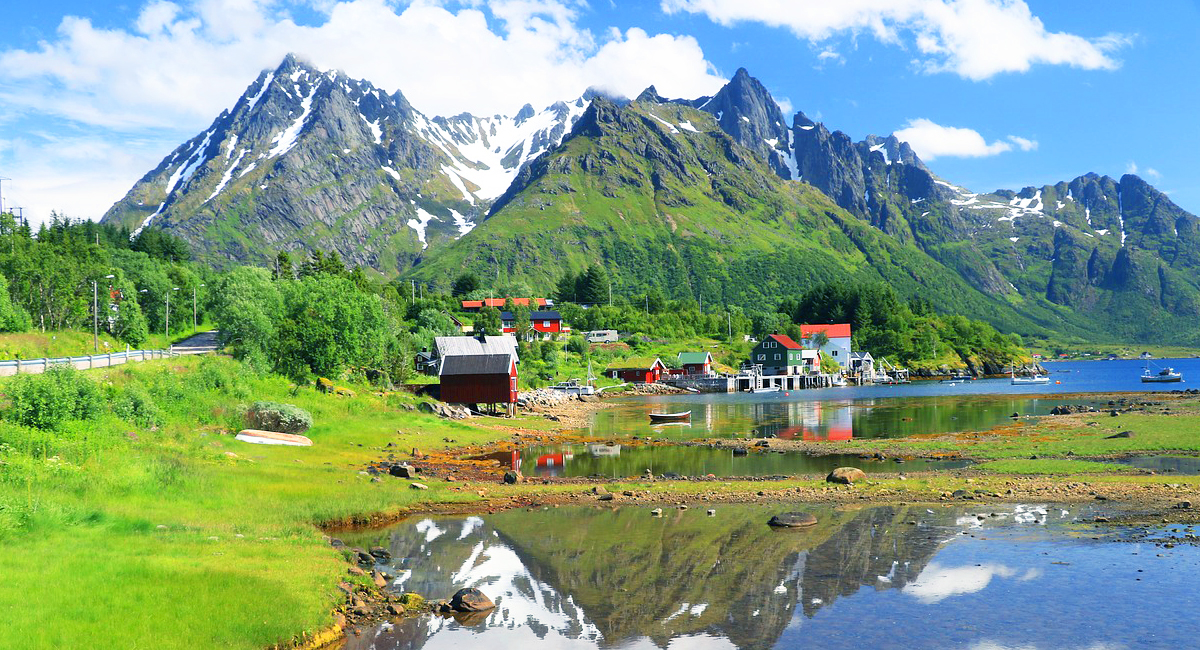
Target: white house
[838, 347]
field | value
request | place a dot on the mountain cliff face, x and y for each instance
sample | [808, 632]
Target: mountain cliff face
[715, 196]
[314, 160]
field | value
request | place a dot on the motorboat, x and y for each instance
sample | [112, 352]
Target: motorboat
[574, 387]
[1163, 376]
[765, 389]
[681, 416]
[1028, 380]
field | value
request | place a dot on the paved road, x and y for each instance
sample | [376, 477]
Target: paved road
[199, 344]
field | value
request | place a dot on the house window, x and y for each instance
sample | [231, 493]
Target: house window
[835, 353]
[762, 357]
[546, 323]
[777, 357]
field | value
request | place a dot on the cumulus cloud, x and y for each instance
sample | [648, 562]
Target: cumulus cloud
[178, 64]
[975, 39]
[937, 582]
[932, 140]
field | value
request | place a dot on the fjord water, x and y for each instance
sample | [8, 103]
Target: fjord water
[995, 577]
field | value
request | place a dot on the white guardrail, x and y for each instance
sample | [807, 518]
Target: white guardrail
[24, 366]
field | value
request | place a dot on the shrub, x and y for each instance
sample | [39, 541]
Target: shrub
[61, 393]
[135, 405]
[284, 418]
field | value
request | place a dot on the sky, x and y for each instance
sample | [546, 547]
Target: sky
[991, 93]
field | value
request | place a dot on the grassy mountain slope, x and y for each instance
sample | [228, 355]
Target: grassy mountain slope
[666, 199]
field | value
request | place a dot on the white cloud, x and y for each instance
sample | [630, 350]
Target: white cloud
[1153, 173]
[178, 64]
[1131, 168]
[932, 140]
[976, 39]
[937, 582]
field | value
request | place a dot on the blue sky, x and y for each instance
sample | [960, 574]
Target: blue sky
[992, 93]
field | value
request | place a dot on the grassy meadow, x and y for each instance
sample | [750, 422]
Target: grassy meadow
[159, 530]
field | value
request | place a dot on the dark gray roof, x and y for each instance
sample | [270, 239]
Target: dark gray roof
[477, 364]
[448, 346]
[534, 315]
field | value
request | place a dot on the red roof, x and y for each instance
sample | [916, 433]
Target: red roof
[501, 302]
[836, 331]
[785, 341]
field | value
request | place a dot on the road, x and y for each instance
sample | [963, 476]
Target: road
[201, 343]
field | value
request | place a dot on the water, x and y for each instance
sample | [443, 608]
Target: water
[795, 417]
[884, 577]
[615, 460]
[1163, 464]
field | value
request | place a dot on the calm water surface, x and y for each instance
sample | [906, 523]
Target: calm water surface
[1030, 577]
[615, 460]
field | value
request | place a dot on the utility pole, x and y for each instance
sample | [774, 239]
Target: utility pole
[414, 291]
[194, 328]
[2, 179]
[167, 326]
[729, 320]
[96, 314]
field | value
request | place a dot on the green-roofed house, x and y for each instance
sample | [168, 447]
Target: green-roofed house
[696, 363]
[640, 370]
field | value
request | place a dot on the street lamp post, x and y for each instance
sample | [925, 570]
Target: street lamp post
[96, 313]
[194, 310]
[167, 323]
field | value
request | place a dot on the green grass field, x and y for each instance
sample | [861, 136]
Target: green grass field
[159, 538]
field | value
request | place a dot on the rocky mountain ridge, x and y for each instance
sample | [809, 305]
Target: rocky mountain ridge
[314, 160]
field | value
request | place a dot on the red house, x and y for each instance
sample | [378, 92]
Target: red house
[479, 379]
[638, 370]
[545, 323]
[696, 363]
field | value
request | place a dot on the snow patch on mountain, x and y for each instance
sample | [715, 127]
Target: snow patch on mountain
[225, 178]
[287, 139]
[420, 224]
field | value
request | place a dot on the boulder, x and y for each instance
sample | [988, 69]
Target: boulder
[344, 392]
[792, 520]
[846, 475]
[1122, 434]
[378, 579]
[324, 385]
[401, 471]
[470, 600]
[380, 552]
[419, 486]
[512, 477]
[444, 410]
[740, 451]
[395, 609]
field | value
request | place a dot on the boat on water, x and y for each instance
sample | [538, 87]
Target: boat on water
[1165, 375]
[681, 416]
[765, 389]
[1026, 380]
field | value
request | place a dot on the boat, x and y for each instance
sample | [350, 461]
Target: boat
[838, 381]
[765, 389]
[574, 387]
[1163, 376]
[257, 437]
[1030, 379]
[670, 417]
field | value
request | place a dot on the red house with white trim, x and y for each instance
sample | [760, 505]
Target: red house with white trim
[638, 370]
[546, 324]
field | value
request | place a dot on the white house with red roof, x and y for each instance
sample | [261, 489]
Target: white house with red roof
[838, 347]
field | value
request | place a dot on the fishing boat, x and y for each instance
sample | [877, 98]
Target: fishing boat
[670, 417]
[1163, 376]
[765, 389]
[1030, 379]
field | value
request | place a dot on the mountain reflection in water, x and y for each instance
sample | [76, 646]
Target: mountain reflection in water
[901, 576]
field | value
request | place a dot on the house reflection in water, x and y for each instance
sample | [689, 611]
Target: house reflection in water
[809, 421]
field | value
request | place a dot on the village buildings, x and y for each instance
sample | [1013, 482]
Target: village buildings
[838, 345]
[778, 354]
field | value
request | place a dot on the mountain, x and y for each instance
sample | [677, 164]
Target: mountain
[714, 197]
[308, 159]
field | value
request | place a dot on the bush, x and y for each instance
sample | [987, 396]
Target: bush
[135, 405]
[284, 418]
[61, 393]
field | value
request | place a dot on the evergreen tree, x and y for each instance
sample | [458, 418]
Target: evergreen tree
[464, 284]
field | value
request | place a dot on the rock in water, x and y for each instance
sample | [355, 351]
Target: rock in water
[470, 600]
[792, 520]
[846, 475]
